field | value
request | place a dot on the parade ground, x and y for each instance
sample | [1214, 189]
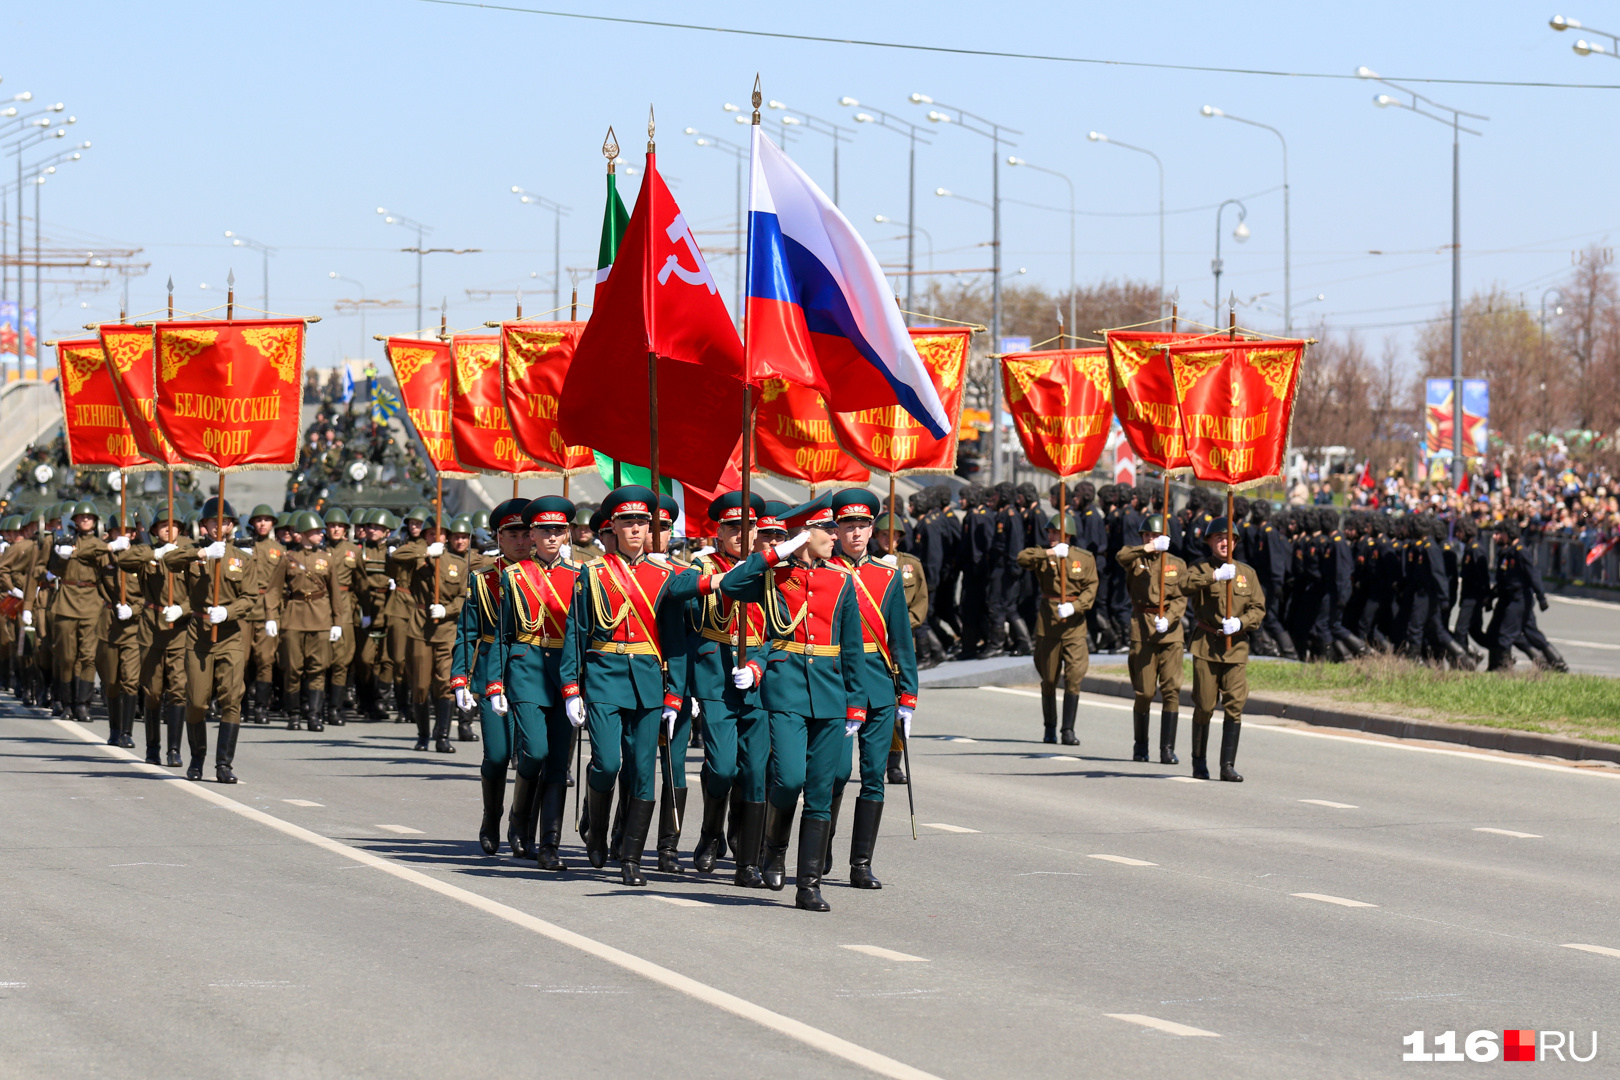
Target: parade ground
[1063, 912]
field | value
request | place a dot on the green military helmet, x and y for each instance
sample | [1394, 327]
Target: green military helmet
[361, 516]
[12, 523]
[283, 519]
[419, 513]
[462, 523]
[305, 521]
[80, 509]
[262, 510]
[885, 521]
[40, 516]
[57, 510]
[191, 522]
[1066, 525]
[389, 521]
[480, 519]
[337, 516]
[1154, 524]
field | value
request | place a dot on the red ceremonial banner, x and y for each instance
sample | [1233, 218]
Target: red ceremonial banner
[1236, 401]
[228, 393]
[422, 370]
[888, 440]
[793, 437]
[534, 363]
[1060, 402]
[98, 436]
[478, 425]
[1144, 399]
[128, 350]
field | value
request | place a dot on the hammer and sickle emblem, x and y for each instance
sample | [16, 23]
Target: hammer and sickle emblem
[678, 231]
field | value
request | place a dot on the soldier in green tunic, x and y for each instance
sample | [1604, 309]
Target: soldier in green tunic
[1067, 577]
[1156, 581]
[1228, 605]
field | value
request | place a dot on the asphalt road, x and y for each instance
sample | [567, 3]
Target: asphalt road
[1587, 632]
[1064, 912]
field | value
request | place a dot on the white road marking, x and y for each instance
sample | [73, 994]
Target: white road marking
[940, 825]
[886, 954]
[301, 802]
[1053, 757]
[1089, 698]
[1601, 950]
[813, 1037]
[1607, 605]
[1185, 779]
[1332, 805]
[679, 901]
[959, 738]
[1510, 832]
[403, 830]
[1122, 860]
[1326, 899]
[1500, 759]
[1583, 644]
[1167, 1026]
[181, 864]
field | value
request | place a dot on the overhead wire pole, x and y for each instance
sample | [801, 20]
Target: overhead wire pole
[1097, 136]
[1288, 248]
[996, 137]
[799, 118]
[1053, 172]
[265, 251]
[558, 210]
[1384, 101]
[421, 233]
[869, 115]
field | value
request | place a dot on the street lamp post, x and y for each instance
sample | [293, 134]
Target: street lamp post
[558, 210]
[740, 153]
[1288, 269]
[1546, 419]
[869, 115]
[359, 306]
[1066, 180]
[799, 118]
[419, 251]
[1240, 234]
[1097, 136]
[884, 219]
[1384, 101]
[996, 133]
[265, 251]
[1583, 47]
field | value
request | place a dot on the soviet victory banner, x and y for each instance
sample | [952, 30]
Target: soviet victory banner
[1144, 399]
[534, 362]
[422, 370]
[889, 439]
[478, 425]
[98, 436]
[228, 393]
[793, 437]
[1236, 400]
[128, 350]
[1060, 403]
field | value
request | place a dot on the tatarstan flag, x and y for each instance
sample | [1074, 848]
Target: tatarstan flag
[614, 220]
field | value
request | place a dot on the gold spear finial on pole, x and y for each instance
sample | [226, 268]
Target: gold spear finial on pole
[758, 97]
[652, 128]
[610, 149]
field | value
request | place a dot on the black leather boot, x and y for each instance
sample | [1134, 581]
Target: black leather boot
[895, 774]
[813, 844]
[115, 722]
[746, 851]
[620, 809]
[59, 698]
[868, 814]
[465, 731]
[153, 721]
[225, 753]
[441, 726]
[1555, 659]
[597, 804]
[525, 790]
[1022, 645]
[832, 828]
[1230, 730]
[707, 852]
[1285, 645]
[734, 818]
[1071, 706]
[197, 737]
[637, 821]
[778, 830]
[402, 702]
[671, 817]
[1048, 713]
[553, 798]
[489, 827]
[83, 691]
[419, 712]
[1139, 725]
[1167, 736]
[261, 703]
[128, 705]
[318, 707]
[330, 713]
[174, 718]
[1200, 747]
[297, 720]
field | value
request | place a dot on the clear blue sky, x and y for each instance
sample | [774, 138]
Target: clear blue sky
[291, 122]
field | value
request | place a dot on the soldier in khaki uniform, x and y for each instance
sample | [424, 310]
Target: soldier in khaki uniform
[374, 670]
[398, 608]
[1067, 577]
[915, 587]
[1228, 605]
[348, 567]
[1155, 660]
[123, 636]
[217, 635]
[267, 552]
[165, 615]
[308, 615]
[77, 612]
[19, 568]
[436, 578]
[10, 531]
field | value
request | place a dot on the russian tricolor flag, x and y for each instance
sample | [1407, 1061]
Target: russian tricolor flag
[820, 311]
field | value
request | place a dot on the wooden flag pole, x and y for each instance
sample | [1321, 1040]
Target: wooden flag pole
[170, 573]
[892, 550]
[123, 506]
[1063, 538]
[1164, 512]
[739, 610]
[652, 355]
[219, 494]
[438, 499]
[1231, 334]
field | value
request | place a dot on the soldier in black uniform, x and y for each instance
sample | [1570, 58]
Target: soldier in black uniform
[1473, 589]
[945, 606]
[973, 560]
[1124, 525]
[1515, 586]
[1005, 577]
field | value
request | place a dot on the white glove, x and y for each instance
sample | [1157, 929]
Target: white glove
[335, 634]
[498, 704]
[216, 550]
[65, 550]
[788, 547]
[49, 577]
[435, 549]
[903, 714]
[851, 727]
[1065, 609]
[365, 621]
[464, 698]
[124, 612]
[391, 585]
[391, 548]
[697, 708]
[171, 615]
[742, 677]
[1161, 543]
[217, 615]
[670, 716]
[28, 618]
[658, 557]
[162, 551]
[120, 544]
[1161, 624]
[1059, 551]
[575, 708]
[566, 552]
[436, 611]
[892, 560]
[1226, 572]
[271, 627]
[1230, 626]
[700, 552]
[18, 593]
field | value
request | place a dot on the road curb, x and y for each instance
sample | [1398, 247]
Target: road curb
[1483, 738]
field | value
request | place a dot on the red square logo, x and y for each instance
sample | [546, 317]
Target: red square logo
[1518, 1045]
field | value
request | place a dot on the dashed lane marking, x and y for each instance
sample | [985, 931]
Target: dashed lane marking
[1510, 832]
[942, 827]
[1326, 899]
[1584, 644]
[403, 830]
[886, 954]
[1169, 1027]
[1053, 757]
[1331, 805]
[1185, 779]
[1601, 950]
[678, 901]
[301, 802]
[1089, 698]
[1122, 860]
[798, 1030]
[1500, 759]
